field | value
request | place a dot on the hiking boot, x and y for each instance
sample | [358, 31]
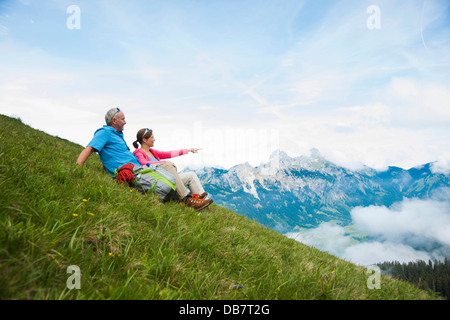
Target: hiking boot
[200, 196]
[197, 204]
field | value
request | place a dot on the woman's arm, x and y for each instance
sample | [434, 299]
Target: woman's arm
[169, 154]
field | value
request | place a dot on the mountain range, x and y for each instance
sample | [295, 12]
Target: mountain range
[288, 193]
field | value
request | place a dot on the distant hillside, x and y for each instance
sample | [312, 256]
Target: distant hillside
[54, 214]
[286, 193]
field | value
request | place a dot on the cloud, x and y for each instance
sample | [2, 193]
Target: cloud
[407, 231]
[335, 240]
[369, 253]
[308, 91]
[329, 237]
[360, 135]
[410, 221]
[3, 30]
[418, 103]
[442, 164]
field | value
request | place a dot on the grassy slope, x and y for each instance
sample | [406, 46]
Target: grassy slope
[128, 246]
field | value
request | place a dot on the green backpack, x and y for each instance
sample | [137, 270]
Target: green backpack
[148, 178]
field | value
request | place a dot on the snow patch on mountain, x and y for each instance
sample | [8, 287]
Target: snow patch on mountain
[245, 173]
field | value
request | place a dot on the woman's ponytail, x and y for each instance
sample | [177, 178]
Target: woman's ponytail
[140, 135]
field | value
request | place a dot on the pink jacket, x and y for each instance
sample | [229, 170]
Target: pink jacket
[143, 158]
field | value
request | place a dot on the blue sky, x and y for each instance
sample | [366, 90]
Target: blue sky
[238, 78]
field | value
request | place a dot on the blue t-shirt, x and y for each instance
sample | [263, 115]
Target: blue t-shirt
[112, 149]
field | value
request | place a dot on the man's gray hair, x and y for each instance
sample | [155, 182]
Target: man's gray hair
[110, 115]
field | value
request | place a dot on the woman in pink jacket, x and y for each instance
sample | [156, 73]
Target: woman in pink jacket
[146, 155]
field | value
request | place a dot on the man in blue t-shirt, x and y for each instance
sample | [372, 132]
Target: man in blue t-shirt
[109, 143]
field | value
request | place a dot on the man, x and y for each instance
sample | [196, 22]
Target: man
[108, 141]
[114, 153]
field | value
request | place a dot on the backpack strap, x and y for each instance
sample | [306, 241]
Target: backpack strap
[160, 177]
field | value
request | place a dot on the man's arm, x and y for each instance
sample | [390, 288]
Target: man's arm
[84, 155]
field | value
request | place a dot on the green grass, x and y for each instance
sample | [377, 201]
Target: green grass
[130, 246]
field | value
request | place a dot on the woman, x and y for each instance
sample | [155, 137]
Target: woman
[147, 155]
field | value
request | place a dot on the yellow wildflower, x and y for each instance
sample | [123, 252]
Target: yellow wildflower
[75, 214]
[84, 200]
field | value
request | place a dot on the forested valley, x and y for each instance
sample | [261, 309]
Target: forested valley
[429, 275]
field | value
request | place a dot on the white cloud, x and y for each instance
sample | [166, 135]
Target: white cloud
[369, 253]
[3, 30]
[418, 103]
[363, 135]
[335, 240]
[308, 91]
[329, 237]
[359, 116]
[407, 231]
[411, 220]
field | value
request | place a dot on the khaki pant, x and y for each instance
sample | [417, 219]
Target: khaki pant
[183, 180]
